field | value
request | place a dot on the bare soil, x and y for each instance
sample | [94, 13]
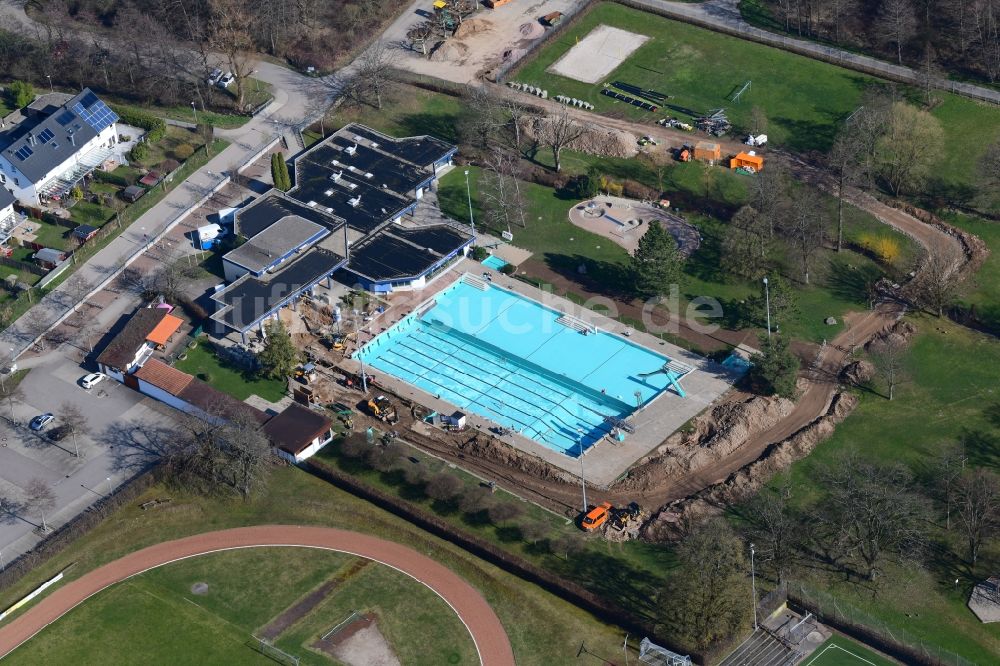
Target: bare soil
[306, 604]
[360, 643]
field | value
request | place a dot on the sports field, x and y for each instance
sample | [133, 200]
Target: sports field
[803, 99]
[206, 609]
[840, 651]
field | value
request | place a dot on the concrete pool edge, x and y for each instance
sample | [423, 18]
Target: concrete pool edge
[655, 421]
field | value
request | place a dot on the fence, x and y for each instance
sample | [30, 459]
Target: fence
[571, 15]
[859, 63]
[862, 626]
[23, 266]
[62, 537]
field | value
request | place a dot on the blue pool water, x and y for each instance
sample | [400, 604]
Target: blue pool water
[494, 262]
[505, 357]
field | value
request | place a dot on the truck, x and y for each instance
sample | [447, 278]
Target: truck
[596, 516]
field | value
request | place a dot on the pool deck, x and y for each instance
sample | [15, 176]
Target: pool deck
[605, 460]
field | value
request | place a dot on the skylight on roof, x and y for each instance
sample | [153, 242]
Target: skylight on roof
[65, 118]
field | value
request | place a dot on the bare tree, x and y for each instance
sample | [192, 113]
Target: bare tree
[758, 120]
[805, 231]
[231, 26]
[888, 355]
[481, 119]
[73, 422]
[745, 244]
[77, 288]
[501, 191]
[443, 487]
[770, 194]
[38, 496]
[515, 111]
[978, 503]
[949, 465]
[423, 34]
[558, 131]
[897, 24]
[936, 283]
[9, 391]
[870, 513]
[373, 71]
[774, 529]
[843, 161]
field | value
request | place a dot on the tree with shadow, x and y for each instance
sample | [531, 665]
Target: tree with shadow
[38, 496]
[871, 514]
[888, 355]
[656, 264]
[775, 527]
[775, 368]
[279, 357]
[978, 504]
[705, 599]
[746, 244]
[73, 423]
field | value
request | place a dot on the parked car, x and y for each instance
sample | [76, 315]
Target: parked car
[41, 421]
[597, 516]
[214, 77]
[92, 380]
[226, 80]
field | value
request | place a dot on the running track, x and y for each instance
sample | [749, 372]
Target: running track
[487, 632]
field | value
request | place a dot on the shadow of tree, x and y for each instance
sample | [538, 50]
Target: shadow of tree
[601, 277]
[850, 282]
[983, 448]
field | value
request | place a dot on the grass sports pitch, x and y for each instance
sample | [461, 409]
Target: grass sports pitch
[839, 651]
[205, 609]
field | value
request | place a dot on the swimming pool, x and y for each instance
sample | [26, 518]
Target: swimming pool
[494, 262]
[520, 364]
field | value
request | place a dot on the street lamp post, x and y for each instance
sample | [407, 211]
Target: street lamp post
[753, 588]
[109, 485]
[49, 77]
[583, 480]
[468, 193]
[767, 305]
[194, 110]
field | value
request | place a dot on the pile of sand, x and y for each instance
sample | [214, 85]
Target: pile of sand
[450, 50]
[532, 30]
[472, 26]
[594, 141]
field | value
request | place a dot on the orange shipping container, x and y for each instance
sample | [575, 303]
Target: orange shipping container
[756, 162]
[708, 151]
[493, 4]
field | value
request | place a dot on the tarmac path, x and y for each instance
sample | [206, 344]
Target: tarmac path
[483, 624]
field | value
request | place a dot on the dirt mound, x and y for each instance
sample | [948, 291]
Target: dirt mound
[532, 30]
[900, 332]
[484, 446]
[450, 50]
[857, 373]
[674, 520]
[596, 140]
[714, 436]
[473, 26]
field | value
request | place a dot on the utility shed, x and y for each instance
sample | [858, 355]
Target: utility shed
[749, 160]
[707, 151]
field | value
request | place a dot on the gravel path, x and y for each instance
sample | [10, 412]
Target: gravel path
[487, 632]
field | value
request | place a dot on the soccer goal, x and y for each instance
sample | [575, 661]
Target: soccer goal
[652, 654]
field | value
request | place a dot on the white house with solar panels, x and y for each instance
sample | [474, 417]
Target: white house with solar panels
[48, 152]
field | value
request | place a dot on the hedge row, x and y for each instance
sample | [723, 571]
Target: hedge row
[155, 127]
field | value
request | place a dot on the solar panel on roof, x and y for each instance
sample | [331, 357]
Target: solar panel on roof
[98, 116]
[46, 135]
[65, 118]
[89, 99]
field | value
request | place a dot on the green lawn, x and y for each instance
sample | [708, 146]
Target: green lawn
[644, 566]
[205, 365]
[983, 291]
[804, 99]
[841, 651]
[840, 285]
[543, 629]
[51, 235]
[156, 613]
[951, 396]
[85, 212]
[411, 111]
